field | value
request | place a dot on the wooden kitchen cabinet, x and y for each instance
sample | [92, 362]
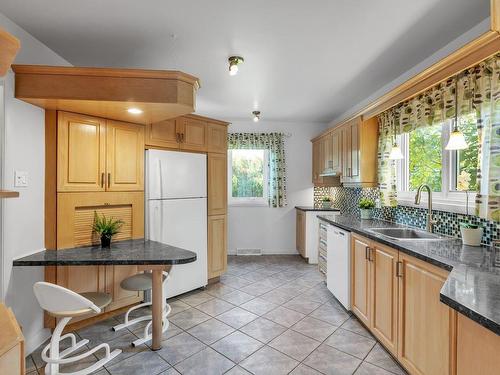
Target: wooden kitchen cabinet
[384, 295]
[114, 275]
[124, 156]
[316, 163]
[11, 344]
[193, 133]
[217, 137]
[336, 141]
[81, 152]
[217, 245]
[360, 277]
[163, 134]
[217, 184]
[426, 327]
[300, 232]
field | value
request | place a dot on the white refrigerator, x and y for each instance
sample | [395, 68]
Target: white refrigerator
[176, 212]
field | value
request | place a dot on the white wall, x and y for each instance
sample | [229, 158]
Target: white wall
[273, 229]
[23, 217]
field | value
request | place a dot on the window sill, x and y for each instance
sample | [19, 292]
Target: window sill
[440, 205]
[248, 204]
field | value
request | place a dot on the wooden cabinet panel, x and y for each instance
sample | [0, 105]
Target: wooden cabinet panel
[217, 245]
[345, 132]
[80, 152]
[360, 276]
[300, 232]
[336, 140]
[11, 344]
[477, 348]
[426, 327]
[121, 297]
[316, 164]
[216, 138]
[124, 156]
[194, 134]
[163, 134]
[327, 152]
[354, 145]
[217, 184]
[384, 295]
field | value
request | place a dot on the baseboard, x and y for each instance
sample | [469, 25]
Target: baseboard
[270, 252]
[34, 341]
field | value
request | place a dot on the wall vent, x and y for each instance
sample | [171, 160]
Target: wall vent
[248, 251]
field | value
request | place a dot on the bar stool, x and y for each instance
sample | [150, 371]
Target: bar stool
[65, 304]
[142, 282]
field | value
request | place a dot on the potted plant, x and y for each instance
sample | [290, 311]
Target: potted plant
[326, 202]
[365, 206]
[471, 233]
[106, 228]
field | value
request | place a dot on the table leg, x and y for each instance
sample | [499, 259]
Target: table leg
[157, 300]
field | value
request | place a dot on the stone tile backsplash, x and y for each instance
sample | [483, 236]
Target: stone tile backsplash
[346, 200]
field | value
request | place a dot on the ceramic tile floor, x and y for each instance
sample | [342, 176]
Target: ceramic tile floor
[269, 315]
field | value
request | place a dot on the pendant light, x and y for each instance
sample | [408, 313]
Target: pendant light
[457, 139]
[396, 153]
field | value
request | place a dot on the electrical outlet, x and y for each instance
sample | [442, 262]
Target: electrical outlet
[20, 179]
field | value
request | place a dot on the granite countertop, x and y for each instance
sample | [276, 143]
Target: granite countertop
[473, 285]
[128, 252]
[314, 208]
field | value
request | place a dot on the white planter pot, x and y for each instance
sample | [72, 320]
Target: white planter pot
[471, 237]
[366, 213]
[326, 204]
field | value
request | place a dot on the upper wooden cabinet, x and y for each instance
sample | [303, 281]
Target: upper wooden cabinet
[9, 46]
[81, 152]
[316, 163]
[188, 133]
[98, 155]
[217, 184]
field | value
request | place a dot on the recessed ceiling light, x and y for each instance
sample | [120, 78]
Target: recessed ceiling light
[134, 111]
[233, 64]
[256, 116]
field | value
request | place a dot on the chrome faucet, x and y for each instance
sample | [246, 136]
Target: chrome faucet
[430, 220]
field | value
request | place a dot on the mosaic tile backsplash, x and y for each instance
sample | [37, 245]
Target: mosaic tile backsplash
[346, 200]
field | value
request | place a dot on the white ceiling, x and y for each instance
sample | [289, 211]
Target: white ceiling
[307, 60]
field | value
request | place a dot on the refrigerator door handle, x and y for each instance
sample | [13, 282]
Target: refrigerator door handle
[160, 173]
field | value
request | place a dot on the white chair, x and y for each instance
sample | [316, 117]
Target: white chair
[65, 304]
[142, 282]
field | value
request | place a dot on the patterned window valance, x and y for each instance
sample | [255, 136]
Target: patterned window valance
[479, 92]
[275, 144]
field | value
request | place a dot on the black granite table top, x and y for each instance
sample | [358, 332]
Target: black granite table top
[473, 285]
[315, 208]
[128, 252]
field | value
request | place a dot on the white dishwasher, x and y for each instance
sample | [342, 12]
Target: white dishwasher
[338, 277]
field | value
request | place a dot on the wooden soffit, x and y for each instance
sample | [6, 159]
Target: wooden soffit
[9, 46]
[108, 92]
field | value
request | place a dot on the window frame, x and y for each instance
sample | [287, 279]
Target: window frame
[449, 199]
[248, 201]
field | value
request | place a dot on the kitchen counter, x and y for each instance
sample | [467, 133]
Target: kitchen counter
[473, 285]
[128, 252]
[313, 208]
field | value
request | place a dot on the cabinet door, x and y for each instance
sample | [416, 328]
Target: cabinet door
[426, 327]
[194, 133]
[384, 295]
[124, 156]
[354, 148]
[346, 152]
[163, 134]
[316, 164]
[217, 184]
[336, 139]
[360, 276]
[300, 233]
[114, 275]
[81, 158]
[327, 151]
[216, 138]
[217, 245]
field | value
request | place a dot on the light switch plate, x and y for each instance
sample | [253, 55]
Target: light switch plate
[20, 179]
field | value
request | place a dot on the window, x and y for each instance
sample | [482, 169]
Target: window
[248, 175]
[427, 162]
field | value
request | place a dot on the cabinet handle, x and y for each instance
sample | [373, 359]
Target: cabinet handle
[102, 179]
[182, 137]
[178, 137]
[367, 253]
[399, 269]
[370, 254]
[348, 172]
[109, 180]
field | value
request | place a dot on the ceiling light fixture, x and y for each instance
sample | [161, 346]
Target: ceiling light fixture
[256, 116]
[134, 111]
[233, 64]
[457, 139]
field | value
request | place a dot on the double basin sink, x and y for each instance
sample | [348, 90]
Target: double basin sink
[407, 234]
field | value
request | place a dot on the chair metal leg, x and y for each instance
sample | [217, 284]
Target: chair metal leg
[127, 322]
[165, 324]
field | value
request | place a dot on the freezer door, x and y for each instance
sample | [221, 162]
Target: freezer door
[181, 223]
[172, 174]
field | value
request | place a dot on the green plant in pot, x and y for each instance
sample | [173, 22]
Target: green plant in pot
[326, 202]
[365, 206]
[471, 233]
[106, 228]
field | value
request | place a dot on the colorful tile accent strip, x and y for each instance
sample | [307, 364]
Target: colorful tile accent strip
[346, 200]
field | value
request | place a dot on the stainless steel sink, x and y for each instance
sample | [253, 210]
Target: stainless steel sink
[407, 234]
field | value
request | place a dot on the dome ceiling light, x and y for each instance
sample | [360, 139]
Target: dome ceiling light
[256, 116]
[233, 64]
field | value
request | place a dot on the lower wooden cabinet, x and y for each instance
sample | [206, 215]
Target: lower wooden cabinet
[120, 297]
[300, 233]
[396, 296]
[217, 245]
[11, 344]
